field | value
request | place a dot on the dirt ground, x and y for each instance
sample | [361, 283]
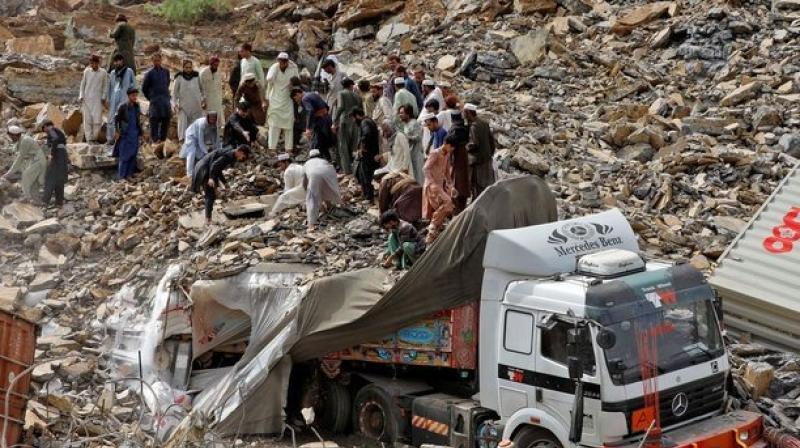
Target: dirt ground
[307, 437]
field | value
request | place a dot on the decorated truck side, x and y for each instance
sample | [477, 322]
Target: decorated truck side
[576, 340]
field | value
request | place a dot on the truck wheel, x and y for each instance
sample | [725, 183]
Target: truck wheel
[375, 416]
[336, 406]
[530, 437]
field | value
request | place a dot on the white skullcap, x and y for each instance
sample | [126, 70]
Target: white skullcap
[429, 82]
[426, 116]
[15, 130]
[399, 80]
[470, 106]
[313, 153]
[249, 76]
[282, 157]
[283, 55]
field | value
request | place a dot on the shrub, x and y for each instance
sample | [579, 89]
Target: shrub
[190, 11]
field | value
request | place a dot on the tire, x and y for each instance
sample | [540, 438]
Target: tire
[375, 416]
[335, 408]
[530, 437]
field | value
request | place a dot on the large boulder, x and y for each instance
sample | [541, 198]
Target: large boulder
[35, 45]
[41, 86]
[534, 6]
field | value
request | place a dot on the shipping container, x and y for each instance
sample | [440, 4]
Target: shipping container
[17, 345]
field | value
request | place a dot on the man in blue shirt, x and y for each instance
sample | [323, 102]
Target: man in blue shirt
[318, 126]
[155, 88]
[438, 133]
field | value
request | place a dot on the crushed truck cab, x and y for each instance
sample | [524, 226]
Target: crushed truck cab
[582, 342]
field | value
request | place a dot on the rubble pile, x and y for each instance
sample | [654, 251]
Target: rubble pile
[683, 114]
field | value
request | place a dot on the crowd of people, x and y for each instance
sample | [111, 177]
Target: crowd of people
[410, 136]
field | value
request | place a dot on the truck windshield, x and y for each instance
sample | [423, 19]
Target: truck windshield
[689, 335]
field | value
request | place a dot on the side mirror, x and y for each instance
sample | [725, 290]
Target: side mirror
[606, 339]
[575, 367]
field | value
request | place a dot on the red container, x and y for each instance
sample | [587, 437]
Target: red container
[17, 345]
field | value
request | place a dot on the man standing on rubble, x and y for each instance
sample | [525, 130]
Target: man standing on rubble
[125, 38]
[128, 135]
[211, 87]
[208, 174]
[293, 191]
[437, 205]
[120, 80]
[412, 131]
[200, 136]
[322, 187]
[56, 175]
[93, 96]
[382, 112]
[459, 161]
[188, 97]
[318, 127]
[344, 126]
[155, 88]
[432, 92]
[335, 78]
[280, 113]
[410, 85]
[251, 65]
[369, 148]
[30, 163]
[436, 132]
[392, 62]
[481, 150]
[403, 97]
[240, 128]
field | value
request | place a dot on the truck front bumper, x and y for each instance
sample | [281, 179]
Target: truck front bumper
[738, 429]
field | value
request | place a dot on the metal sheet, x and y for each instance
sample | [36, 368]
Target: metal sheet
[17, 344]
[758, 276]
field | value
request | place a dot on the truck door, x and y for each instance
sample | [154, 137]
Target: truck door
[557, 390]
[516, 361]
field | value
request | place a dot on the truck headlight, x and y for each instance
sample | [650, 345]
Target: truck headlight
[744, 436]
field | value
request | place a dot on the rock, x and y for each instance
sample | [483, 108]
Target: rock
[40, 86]
[90, 156]
[44, 280]
[50, 112]
[267, 253]
[246, 233]
[530, 48]
[767, 117]
[661, 39]
[716, 13]
[703, 125]
[640, 152]
[35, 45]
[535, 6]
[47, 259]
[368, 11]
[741, 94]
[9, 298]
[50, 225]
[446, 63]
[212, 236]
[22, 214]
[76, 371]
[700, 262]
[5, 34]
[530, 161]
[44, 372]
[392, 31]
[758, 376]
[790, 144]
[62, 243]
[8, 229]
[640, 15]
[128, 241]
[729, 224]
[740, 27]
[72, 123]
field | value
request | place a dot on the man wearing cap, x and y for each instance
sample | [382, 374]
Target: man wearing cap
[128, 135]
[187, 97]
[155, 88]
[93, 95]
[209, 176]
[56, 175]
[211, 87]
[200, 136]
[293, 191]
[125, 38]
[432, 92]
[280, 113]
[318, 127]
[30, 162]
[436, 132]
[403, 97]
[481, 150]
[335, 76]
[344, 126]
[250, 92]
[322, 187]
[412, 131]
[410, 84]
[369, 148]
[240, 128]
[251, 65]
[120, 80]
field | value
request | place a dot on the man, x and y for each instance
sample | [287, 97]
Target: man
[403, 246]
[392, 62]
[201, 135]
[250, 92]
[412, 131]
[208, 174]
[128, 135]
[403, 97]
[251, 65]
[437, 133]
[437, 205]
[120, 80]
[318, 128]
[30, 163]
[280, 113]
[188, 97]
[459, 160]
[366, 99]
[322, 187]
[382, 112]
[93, 96]
[344, 126]
[125, 38]
[300, 115]
[335, 78]
[410, 85]
[235, 77]
[240, 128]
[155, 88]
[293, 191]
[481, 151]
[432, 92]
[56, 175]
[419, 75]
[400, 192]
[369, 149]
[211, 87]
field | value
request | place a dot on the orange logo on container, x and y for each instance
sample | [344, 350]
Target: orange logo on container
[785, 234]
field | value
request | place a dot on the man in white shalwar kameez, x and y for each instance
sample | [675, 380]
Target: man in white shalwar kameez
[432, 92]
[335, 77]
[92, 96]
[322, 186]
[202, 137]
[293, 191]
[251, 64]
[187, 98]
[280, 114]
[211, 86]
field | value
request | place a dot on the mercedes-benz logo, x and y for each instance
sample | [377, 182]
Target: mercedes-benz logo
[680, 404]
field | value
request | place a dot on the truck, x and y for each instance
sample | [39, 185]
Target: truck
[576, 340]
